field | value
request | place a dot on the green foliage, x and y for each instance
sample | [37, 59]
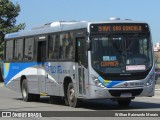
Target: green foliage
[156, 58]
[8, 14]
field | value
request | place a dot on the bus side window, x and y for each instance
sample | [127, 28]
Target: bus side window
[66, 46]
[28, 51]
[18, 49]
[53, 47]
[9, 50]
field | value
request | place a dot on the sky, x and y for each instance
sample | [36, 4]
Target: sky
[38, 12]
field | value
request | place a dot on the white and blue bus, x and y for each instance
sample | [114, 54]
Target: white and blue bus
[81, 60]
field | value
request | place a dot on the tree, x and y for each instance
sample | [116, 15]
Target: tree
[156, 59]
[8, 14]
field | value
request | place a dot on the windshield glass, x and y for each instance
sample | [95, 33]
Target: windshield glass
[119, 54]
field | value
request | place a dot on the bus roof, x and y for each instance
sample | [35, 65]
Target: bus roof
[61, 26]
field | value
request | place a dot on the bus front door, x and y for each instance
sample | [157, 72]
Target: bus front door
[41, 58]
[81, 71]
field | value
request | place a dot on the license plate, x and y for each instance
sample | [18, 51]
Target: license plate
[126, 95]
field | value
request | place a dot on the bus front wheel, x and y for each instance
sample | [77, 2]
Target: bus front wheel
[72, 100]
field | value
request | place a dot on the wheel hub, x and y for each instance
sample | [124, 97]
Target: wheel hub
[24, 93]
[71, 94]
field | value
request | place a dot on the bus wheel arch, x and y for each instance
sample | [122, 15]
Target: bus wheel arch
[69, 93]
[26, 96]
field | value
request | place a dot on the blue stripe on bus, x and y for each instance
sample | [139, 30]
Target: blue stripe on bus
[113, 83]
[109, 83]
[11, 69]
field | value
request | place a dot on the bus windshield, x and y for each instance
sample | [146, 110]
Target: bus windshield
[121, 53]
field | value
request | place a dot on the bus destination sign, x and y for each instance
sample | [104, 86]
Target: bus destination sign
[125, 28]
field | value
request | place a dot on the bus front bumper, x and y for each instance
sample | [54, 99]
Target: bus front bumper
[98, 92]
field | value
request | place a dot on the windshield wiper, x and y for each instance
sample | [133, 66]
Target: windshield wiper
[132, 41]
[115, 46]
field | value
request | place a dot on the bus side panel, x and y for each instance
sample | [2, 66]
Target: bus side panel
[14, 84]
[14, 71]
[52, 81]
[33, 83]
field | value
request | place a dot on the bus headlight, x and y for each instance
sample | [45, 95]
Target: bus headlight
[150, 80]
[97, 82]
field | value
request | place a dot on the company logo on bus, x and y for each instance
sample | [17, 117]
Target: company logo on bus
[126, 84]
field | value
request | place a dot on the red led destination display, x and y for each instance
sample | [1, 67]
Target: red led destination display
[125, 28]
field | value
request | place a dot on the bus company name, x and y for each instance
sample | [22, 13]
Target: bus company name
[53, 69]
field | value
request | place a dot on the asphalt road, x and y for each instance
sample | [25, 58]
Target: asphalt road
[12, 101]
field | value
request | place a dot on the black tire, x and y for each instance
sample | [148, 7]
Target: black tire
[25, 91]
[124, 103]
[66, 101]
[72, 100]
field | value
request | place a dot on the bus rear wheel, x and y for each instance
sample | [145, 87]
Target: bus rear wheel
[25, 91]
[124, 103]
[72, 100]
